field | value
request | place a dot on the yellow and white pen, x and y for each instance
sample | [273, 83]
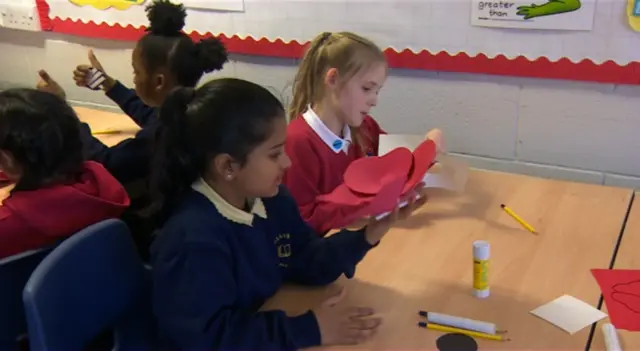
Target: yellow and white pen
[522, 222]
[470, 333]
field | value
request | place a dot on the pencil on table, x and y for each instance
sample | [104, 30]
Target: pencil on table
[108, 131]
[522, 222]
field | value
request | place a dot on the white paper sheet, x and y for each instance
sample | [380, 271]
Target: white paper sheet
[569, 313]
[389, 142]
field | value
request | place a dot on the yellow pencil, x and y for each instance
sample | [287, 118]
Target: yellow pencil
[526, 225]
[445, 329]
[108, 131]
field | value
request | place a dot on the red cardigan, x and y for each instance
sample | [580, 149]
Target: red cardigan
[316, 169]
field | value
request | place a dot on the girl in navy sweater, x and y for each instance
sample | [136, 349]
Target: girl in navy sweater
[163, 58]
[234, 235]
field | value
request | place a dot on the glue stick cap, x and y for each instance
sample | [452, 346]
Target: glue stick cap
[481, 250]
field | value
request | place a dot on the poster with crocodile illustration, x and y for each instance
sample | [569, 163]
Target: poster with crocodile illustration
[534, 14]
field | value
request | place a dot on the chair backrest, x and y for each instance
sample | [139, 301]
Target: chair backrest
[14, 273]
[92, 282]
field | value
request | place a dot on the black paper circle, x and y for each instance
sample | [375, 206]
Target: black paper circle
[456, 342]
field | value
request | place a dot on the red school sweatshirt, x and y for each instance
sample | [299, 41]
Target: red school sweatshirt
[317, 170]
[38, 218]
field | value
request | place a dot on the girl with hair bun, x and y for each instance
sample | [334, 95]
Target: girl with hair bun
[165, 57]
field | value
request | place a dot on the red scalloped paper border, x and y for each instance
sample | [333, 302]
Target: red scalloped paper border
[585, 70]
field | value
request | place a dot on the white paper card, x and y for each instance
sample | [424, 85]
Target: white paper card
[569, 313]
[388, 142]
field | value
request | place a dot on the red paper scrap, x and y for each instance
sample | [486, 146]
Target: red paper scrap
[621, 291]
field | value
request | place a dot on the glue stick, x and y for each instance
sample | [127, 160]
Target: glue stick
[611, 341]
[481, 269]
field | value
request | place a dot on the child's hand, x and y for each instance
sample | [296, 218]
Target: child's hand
[437, 136]
[376, 229]
[81, 73]
[345, 325]
[49, 85]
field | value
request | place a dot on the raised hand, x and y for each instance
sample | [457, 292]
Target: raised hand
[82, 72]
[48, 84]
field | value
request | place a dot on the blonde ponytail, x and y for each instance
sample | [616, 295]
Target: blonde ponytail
[304, 83]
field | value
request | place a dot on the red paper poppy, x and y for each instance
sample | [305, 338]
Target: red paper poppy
[367, 175]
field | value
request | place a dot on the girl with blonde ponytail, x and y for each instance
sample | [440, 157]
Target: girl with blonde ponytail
[336, 86]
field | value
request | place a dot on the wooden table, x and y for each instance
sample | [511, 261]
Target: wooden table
[98, 121]
[102, 120]
[627, 258]
[426, 262]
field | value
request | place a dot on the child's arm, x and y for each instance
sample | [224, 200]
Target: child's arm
[195, 302]
[303, 179]
[131, 104]
[320, 261]
[126, 161]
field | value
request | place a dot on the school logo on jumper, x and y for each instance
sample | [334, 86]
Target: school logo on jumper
[105, 4]
[283, 248]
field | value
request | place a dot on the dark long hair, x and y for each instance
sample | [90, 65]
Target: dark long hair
[228, 115]
[42, 133]
[165, 45]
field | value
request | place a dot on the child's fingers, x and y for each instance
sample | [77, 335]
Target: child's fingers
[83, 69]
[94, 60]
[44, 75]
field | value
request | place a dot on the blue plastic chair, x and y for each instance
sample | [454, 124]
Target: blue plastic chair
[14, 273]
[92, 282]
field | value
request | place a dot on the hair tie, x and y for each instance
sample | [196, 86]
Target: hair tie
[325, 37]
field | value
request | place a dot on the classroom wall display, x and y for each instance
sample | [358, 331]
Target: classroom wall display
[633, 14]
[106, 4]
[534, 14]
[215, 5]
[429, 34]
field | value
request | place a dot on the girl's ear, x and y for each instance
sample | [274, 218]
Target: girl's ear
[224, 167]
[331, 79]
[8, 165]
[159, 82]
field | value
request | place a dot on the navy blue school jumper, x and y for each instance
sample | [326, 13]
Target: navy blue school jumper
[129, 161]
[215, 265]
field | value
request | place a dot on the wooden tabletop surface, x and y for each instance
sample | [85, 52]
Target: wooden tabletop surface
[628, 257]
[426, 262]
[100, 121]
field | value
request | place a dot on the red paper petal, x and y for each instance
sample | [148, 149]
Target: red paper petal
[366, 175]
[423, 157]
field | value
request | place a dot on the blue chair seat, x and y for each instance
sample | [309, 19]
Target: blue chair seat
[92, 282]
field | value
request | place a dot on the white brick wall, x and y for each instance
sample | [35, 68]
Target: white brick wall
[557, 129]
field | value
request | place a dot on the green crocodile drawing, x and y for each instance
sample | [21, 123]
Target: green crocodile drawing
[552, 7]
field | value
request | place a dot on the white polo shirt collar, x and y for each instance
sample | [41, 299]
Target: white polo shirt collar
[333, 141]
